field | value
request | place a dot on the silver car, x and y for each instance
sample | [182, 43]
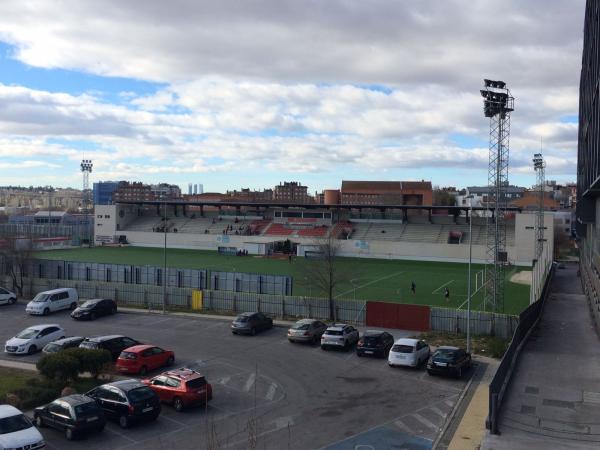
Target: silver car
[306, 330]
[408, 352]
[339, 336]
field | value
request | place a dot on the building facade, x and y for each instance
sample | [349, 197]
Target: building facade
[103, 192]
[386, 193]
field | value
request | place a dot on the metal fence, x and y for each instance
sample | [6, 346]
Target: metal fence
[528, 319]
[482, 323]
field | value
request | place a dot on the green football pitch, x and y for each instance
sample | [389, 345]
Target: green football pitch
[360, 278]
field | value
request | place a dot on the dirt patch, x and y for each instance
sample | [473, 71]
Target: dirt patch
[522, 277]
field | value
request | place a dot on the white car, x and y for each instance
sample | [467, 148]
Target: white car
[408, 352]
[339, 335]
[7, 297]
[17, 431]
[50, 301]
[33, 339]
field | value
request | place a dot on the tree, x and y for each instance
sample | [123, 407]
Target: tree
[16, 252]
[324, 271]
[443, 197]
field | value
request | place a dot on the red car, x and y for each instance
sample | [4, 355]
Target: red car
[142, 358]
[181, 388]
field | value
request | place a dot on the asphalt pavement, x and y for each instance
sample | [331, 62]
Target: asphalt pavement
[283, 395]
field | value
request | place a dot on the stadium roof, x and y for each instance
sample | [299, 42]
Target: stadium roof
[382, 187]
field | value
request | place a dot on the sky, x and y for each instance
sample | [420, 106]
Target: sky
[236, 94]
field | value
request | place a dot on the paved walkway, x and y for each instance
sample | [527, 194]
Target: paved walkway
[554, 397]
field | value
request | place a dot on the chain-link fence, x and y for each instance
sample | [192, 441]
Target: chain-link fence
[482, 323]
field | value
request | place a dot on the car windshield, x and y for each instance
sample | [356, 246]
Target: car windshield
[14, 423]
[28, 333]
[402, 348]
[196, 382]
[444, 354]
[241, 319]
[40, 298]
[334, 332]
[140, 394]
[371, 340]
[51, 348]
[87, 409]
[89, 304]
[300, 326]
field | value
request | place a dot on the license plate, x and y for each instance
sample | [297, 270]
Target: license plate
[91, 419]
[148, 409]
[368, 352]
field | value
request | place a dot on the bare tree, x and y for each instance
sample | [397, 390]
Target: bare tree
[324, 270]
[16, 253]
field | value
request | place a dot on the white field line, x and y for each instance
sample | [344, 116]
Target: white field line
[467, 298]
[445, 284]
[369, 283]
[250, 382]
[271, 392]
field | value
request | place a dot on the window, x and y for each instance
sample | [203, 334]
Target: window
[156, 351]
[59, 409]
[172, 382]
[128, 342]
[160, 381]
[107, 216]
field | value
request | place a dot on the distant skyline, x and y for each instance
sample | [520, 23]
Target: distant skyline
[250, 94]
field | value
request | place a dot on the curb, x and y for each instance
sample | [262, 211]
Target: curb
[17, 365]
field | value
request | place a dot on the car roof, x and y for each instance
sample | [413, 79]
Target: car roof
[337, 326]
[182, 373]
[76, 399]
[406, 341]
[8, 411]
[54, 291]
[68, 339]
[139, 348]
[447, 347]
[373, 333]
[95, 300]
[103, 338]
[126, 385]
[307, 321]
[248, 313]
[43, 326]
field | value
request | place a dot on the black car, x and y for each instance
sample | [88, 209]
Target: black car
[251, 323]
[449, 361]
[63, 344]
[77, 415]
[376, 343]
[94, 308]
[115, 344]
[127, 401]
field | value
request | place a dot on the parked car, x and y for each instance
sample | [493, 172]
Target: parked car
[17, 431]
[7, 297]
[127, 401]
[115, 343]
[142, 358]
[448, 360]
[50, 301]
[76, 415]
[376, 343]
[181, 388]
[63, 344]
[251, 323]
[339, 335]
[306, 330]
[408, 352]
[94, 308]
[33, 339]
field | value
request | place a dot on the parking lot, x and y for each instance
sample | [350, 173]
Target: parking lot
[291, 395]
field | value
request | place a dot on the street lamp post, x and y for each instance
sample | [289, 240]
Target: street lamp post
[469, 274]
[164, 257]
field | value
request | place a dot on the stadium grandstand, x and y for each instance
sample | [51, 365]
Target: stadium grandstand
[417, 232]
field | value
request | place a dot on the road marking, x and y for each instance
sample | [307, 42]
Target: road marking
[403, 426]
[224, 380]
[127, 438]
[181, 424]
[438, 411]
[250, 382]
[424, 421]
[449, 403]
[271, 392]
[445, 284]
[369, 283]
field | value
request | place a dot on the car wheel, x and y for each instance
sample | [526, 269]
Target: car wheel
[69, 434]
[93, 316]
[345, 345]
[12, 300]
[459, 373]
[178, 404]
[123, 421]
[46, 311]
[39, 422]
[323, 347]
[315, 339]
[143, 370]
[253, 331]
[73, 306]
[31, 350]
[170, 361]
[429, 372]
[113, 311]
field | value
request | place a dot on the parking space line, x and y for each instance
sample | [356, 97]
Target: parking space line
[250, 382]
[181, 424]
[403, 426]
[449, 403]
[419, 418]
[438, 411]
[271, 392]
[127, 438]
[224, 380]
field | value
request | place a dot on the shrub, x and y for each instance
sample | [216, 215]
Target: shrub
[59, 366]
[36, 394]
[497, 347]
[67, 390]
[94, 361]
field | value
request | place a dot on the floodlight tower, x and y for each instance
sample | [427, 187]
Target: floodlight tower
[86, 168]
[498, 103]
[540, 169]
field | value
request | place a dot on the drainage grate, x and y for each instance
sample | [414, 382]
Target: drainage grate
[532, 390]
[558, 403]
[528, 409]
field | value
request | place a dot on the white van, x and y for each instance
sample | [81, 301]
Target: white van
[54, 300]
